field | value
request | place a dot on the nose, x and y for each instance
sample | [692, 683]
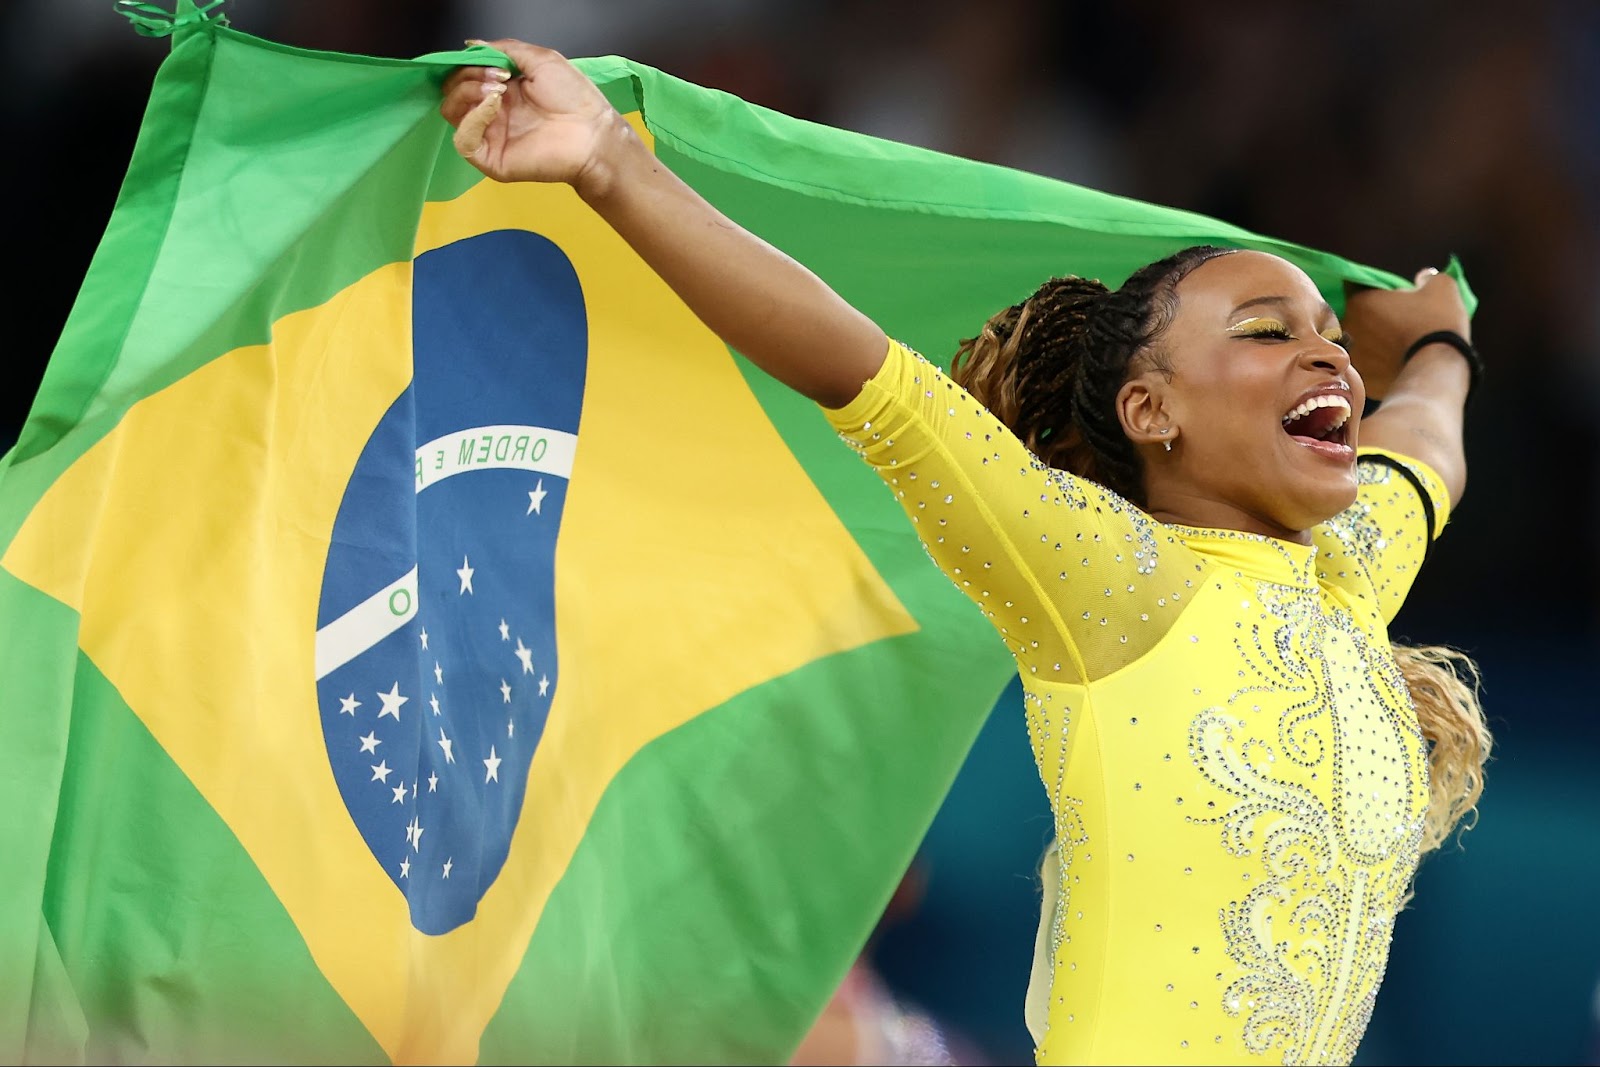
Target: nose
[1324, 355]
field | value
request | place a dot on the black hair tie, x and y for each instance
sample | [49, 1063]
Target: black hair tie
[1457, 342]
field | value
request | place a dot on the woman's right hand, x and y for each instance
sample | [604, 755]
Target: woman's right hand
[547, 124]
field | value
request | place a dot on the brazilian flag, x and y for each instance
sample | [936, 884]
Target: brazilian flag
[422, 640]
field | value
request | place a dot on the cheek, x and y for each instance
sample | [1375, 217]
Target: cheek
[1235, 411]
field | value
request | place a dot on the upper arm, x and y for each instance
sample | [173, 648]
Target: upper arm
[1423, 418]
[1380, 542]
[1077, 580]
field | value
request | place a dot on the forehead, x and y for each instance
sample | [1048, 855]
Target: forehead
[1220, 285]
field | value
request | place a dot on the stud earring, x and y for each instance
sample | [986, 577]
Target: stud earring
[1168, 444]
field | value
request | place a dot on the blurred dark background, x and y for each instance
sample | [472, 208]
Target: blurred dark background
[1395, 133]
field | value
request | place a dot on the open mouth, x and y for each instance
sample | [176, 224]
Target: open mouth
[1322, 423]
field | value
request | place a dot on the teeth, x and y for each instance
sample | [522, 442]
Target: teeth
[1326, 400]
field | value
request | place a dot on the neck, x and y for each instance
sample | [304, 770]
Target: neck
[1180, 508]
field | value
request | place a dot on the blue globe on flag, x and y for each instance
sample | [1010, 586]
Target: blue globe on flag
[436, 652]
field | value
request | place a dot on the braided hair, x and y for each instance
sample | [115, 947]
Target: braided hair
[1050, 367]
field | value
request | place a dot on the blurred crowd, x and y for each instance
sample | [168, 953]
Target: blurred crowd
[1393, 132]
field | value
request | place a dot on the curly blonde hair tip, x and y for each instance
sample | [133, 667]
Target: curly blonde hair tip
[1444, 685]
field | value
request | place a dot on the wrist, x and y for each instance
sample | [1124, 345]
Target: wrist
[616, 147]
[1439, 342]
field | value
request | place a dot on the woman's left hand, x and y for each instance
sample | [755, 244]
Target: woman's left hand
[1383, 323]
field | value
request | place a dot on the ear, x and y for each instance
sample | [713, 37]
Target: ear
[1143, 410]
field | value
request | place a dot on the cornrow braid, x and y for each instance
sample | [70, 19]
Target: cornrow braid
[1050, 367]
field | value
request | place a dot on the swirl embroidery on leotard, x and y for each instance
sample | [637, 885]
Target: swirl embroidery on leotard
[1331, 804]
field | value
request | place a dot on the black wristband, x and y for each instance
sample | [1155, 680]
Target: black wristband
[1457, 342]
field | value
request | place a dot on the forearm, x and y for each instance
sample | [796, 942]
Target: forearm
[1421, 416]
[758, 300]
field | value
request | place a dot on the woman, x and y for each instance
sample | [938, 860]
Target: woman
[1155, 495]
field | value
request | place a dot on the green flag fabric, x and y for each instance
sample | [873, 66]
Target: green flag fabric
[423, 640]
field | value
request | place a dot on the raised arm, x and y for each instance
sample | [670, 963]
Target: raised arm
[550, 123]
[1422, 398]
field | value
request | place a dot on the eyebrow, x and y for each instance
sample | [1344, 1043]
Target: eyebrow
[1281, 301]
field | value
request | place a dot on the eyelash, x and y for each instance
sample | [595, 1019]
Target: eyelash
[1281, 333]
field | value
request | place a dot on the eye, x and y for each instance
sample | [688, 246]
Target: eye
[1339, 338]
[1262, 329]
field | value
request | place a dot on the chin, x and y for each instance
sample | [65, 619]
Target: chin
[1319, 503]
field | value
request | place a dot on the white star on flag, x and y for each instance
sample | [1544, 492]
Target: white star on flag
[493, 765]
[505, 631]
[536, 497]
[438, 673]
[414, 834]
[445, 743]
[525, 654]
[424, 638]
[511, 728]
[391, 702]
[433, 702]
[433, 782]
[381, 772]
[405, 867]
[399, 792]
[348, 705]
[447, 865]
[464, 572]
[370, 743]
[544, 685]
[505, 691]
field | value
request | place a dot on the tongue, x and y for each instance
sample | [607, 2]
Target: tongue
[1317, 425]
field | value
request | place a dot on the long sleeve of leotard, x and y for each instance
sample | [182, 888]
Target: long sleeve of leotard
[1078, 581]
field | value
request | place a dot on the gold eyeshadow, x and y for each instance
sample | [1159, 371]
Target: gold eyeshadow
[1262, 326]
[1258, 325]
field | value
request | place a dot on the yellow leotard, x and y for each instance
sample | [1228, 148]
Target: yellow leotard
[1234, 765]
